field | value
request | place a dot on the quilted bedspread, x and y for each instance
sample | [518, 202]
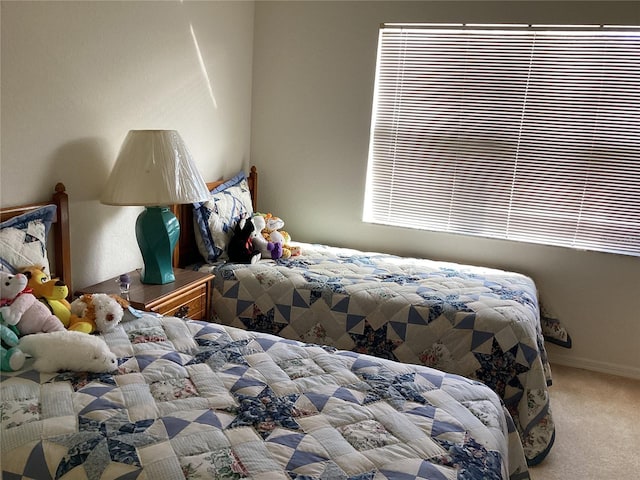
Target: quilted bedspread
[200, 400]
[478, 322]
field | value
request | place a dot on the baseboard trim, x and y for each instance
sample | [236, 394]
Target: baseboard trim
[594, 365]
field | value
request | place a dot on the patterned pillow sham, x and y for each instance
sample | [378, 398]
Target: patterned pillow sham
[23, 239]
[552, 329]
[555, 332]
[216, 218]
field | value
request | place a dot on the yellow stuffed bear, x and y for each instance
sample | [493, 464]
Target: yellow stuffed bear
[53, 293]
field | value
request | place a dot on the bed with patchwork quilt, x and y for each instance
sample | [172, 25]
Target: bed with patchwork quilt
[477, 322]
[192, 399]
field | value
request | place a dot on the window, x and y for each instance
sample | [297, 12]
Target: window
[511, 132]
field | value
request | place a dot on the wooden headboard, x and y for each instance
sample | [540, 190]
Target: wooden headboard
[61, 263]
[186, 252]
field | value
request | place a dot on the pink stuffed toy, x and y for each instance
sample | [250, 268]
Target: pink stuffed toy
[21, 308]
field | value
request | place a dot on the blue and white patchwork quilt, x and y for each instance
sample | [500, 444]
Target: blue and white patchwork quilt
[200, 400]
[477, 322]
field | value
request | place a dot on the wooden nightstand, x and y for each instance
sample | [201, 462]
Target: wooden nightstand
[188, 296]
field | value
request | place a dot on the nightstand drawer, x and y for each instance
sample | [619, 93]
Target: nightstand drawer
[191, 304]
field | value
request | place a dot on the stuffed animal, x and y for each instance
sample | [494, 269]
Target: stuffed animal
[21, 308]
[293, 250]
[103, 312]
[268, 248]
[277, 238]
[68, 350]
[11, 357]
[53, 293]
[273, 232]
[241, 248]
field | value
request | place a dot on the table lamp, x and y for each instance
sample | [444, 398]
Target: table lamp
[155, 169]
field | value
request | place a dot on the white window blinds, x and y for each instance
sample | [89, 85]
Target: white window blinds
[521, 133]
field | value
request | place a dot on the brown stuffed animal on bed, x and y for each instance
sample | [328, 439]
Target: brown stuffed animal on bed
[100, 310]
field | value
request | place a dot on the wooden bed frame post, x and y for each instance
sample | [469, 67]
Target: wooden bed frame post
[62, 248]
[253, 187]
[61, 265]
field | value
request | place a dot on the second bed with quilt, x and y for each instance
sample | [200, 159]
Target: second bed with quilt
[478, 322]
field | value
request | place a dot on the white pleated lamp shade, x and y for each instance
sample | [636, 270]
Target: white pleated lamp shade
[154, 168]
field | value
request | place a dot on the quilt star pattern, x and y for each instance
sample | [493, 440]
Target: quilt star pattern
[200, 400]
[481, 323]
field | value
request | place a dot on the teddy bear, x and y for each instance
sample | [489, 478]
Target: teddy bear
[11, 357]
[53, 293]
[102, 311]
[68, 350]
[241, 248]
[21, 308]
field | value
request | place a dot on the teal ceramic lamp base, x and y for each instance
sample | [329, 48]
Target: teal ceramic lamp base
[157, 231]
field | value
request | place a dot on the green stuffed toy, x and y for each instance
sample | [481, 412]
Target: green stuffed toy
[12, 358]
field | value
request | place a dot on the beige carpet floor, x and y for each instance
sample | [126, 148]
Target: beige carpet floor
[597, 420]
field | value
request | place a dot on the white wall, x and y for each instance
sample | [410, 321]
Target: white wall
[77, 76]
[314, 65]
